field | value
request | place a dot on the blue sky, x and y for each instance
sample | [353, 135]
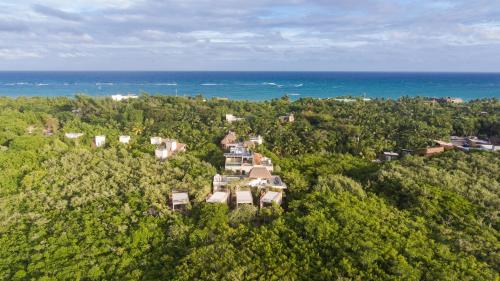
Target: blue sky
[342, 35]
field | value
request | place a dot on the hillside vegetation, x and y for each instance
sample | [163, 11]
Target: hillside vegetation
[69, 211]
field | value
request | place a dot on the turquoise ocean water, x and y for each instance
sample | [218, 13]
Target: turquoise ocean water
[253, 85]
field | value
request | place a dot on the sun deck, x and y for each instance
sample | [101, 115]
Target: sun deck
[218, 197]
[271, 197]
[244, 197]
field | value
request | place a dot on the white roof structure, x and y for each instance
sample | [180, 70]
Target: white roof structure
[124, 139]
[257, 182]
[270, 197]
[161, 153]
[478, 141]
[99, 140]
[156, 140]
[180, 198]
[122, 97]
[390, 153]
[231, 118]
[244, 197]
[489, 147]
[218, 197]
[73, 135]
[257, 139]
[220, 180]
[171, 145]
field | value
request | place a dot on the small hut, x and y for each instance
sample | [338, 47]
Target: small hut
[271, 197]
[161, 153]
[99, 141]
[244, 197]
[179, 198]
[290, 118]
[156, 140]
[124, 139]
[73, 135]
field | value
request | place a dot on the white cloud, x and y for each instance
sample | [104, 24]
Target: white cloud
[13, 54]
[73, 54]
[257, 32]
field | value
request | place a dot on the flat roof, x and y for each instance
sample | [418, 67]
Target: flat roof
[218, 197]
[270, 196]
[244, 196]
[180, 197]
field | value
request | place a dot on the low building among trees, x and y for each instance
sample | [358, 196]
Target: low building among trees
[244, 197]
[124, 139]
[290, 118]
[99, 141]
[169, 147]
[271, 197]
[123, 97]
[73, 135]
[219, 197]
[179, 198]
[230, 118]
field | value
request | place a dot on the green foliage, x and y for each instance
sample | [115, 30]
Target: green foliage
[243, 214]
[70, 211]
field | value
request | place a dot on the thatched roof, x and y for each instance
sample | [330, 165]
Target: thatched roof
[229, 138]
[259, 173]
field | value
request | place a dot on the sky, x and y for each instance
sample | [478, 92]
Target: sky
[272, 35]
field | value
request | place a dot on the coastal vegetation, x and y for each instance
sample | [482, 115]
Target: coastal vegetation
[71, 211]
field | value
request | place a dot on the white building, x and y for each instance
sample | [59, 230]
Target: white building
[220, 181]
[73, 135]
[257, 139]
[489, 147]
[271, 197]
[156, 140]
[389, 155]
[231, 118]
[124, 139]
[99, 141]
[122, 97]
[244, 197]
[171, 145]
[161, 153]
[240, 160]
[179, 198]
[168, 147]
[290, 118]
[219, 197]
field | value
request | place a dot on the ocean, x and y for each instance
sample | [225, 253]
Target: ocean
[252, 85]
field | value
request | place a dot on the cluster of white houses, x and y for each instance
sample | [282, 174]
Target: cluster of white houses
[248, 172]
[249, 177]
[98, 141]
[167, 147]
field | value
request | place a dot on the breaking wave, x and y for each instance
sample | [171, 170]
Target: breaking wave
[212, 84]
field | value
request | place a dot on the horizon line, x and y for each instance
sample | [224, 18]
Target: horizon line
[271, 71]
